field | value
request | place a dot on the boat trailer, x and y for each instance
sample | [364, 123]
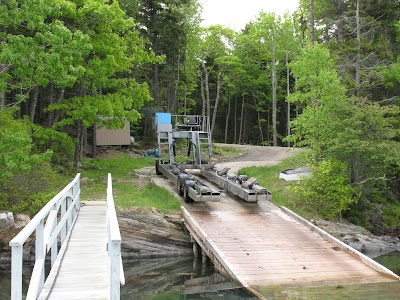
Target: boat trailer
[196, 130]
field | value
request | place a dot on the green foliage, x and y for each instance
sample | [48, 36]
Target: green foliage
[59, 143]
[327, 192]
[29, 191]
[360, 134]
[16, 146]
[316, 77]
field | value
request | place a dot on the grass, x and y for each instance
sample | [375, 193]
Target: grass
[129, 189]
[223, 152]
[268, 177]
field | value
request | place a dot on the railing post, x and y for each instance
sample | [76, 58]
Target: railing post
[63, 230]
[40, 250]
[114, 248]
[69, 221]
[115, 267]
[16, 272]
[54, 246]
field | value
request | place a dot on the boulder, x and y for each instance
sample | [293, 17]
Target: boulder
[3, 220]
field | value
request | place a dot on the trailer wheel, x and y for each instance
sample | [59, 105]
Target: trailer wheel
[186, 197]
[157, 168]
[179, 187]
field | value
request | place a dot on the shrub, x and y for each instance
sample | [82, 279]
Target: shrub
[28, 191]
[327, 192]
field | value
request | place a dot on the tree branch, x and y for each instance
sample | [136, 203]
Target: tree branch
[372, 178]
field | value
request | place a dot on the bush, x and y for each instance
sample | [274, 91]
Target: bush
[28, 192]
[327, 193]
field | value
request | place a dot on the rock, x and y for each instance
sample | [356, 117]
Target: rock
[3, 220]
[84, 181]
[21, 220]
[360, 239]
[148, 234]
[10, 218]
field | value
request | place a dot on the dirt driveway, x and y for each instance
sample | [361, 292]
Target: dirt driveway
[257, 156]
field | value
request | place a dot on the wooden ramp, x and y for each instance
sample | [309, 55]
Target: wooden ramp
[267, 247]
[82, 272]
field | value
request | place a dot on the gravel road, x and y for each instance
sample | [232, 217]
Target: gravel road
[257, 156]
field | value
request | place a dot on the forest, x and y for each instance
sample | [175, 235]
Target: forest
[326, 78]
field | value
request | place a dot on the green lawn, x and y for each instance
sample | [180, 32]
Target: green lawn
[129, 189]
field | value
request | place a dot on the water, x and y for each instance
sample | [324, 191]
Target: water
[177, 278]
[184, 278]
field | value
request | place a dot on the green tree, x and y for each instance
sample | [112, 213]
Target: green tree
[361, 135]
[16, 147]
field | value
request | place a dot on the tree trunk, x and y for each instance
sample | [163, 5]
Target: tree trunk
[340, 22]
[358, 57]
[241, 122]
[288, 94]
[259, 121]
[214, 117]
[312, 22]
[274, 101]
[203, 96]
[184, 87]
[59, 100]
[235, 118]
[156, 76]
[207, 89]
[94, 141]
[33, 103]
[2, 93]
[2, 99]
[227, 118]
[50, 114]
[78, 145]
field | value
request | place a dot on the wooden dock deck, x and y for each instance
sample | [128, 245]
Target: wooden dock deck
[83, 272]
[265, 247]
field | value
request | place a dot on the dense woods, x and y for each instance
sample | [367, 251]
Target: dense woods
[326, 78]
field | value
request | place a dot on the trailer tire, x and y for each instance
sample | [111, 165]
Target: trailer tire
[179, 187]
[157, 168]
[186, 197]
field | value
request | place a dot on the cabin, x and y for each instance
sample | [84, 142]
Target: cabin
[113, 137]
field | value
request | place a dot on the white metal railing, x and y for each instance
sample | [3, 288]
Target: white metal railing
[55, 219]
[115, 268]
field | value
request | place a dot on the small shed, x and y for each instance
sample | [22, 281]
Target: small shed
[113, 137]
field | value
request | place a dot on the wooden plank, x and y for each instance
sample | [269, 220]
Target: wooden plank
[271, 248]
[83, 272]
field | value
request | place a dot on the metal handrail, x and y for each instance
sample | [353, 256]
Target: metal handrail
[47, 228]
[202, 122]
[115, 267]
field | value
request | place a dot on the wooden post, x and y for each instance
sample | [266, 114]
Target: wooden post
[203, 257]
[196, 249]
[16, 272]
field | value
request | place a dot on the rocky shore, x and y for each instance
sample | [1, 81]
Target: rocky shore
[147, 233]
[10, 225]
[360, 238]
